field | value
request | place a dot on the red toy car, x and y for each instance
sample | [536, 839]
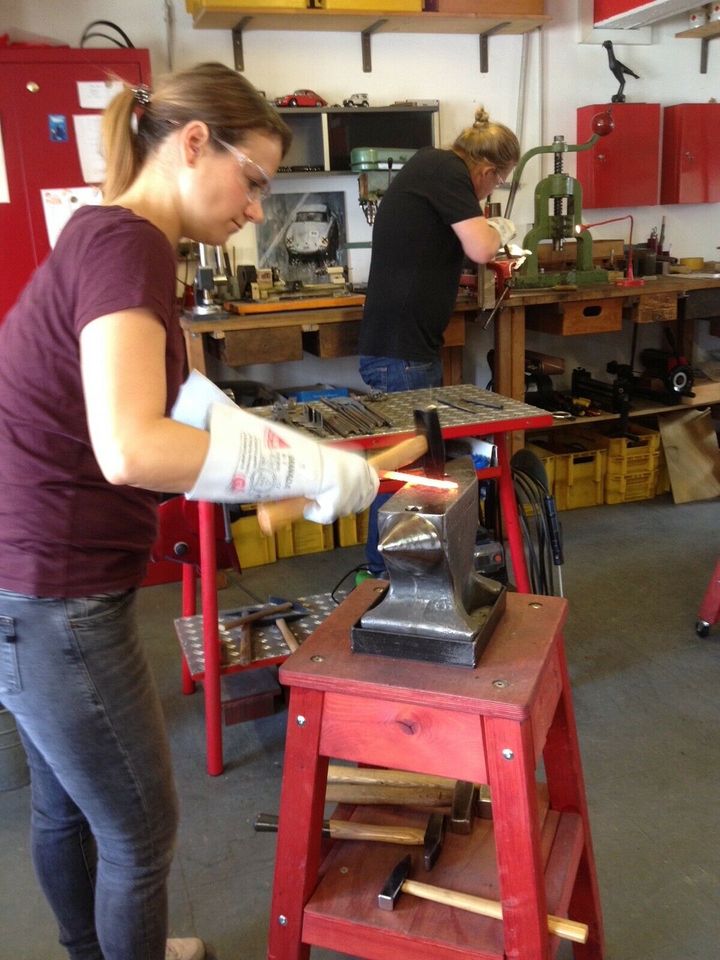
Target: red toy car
[300, 98]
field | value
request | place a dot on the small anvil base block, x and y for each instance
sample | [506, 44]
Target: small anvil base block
[437, 649]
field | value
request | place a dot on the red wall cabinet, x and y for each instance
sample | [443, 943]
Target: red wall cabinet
[38, 85]
[623, 168]
[691, 153]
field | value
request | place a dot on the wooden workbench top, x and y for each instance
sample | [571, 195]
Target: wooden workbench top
[677, 283]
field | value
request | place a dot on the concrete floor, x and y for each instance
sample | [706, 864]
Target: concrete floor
[646, 697]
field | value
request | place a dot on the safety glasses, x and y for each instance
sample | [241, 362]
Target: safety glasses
[258, 181]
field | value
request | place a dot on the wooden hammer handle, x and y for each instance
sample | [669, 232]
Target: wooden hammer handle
[351, 830]
[559, 926]
[280, 513]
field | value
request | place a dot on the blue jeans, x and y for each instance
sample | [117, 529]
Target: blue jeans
[391, 375]
[104, 811]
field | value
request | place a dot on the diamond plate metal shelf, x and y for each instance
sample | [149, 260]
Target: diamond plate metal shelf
[268, 644]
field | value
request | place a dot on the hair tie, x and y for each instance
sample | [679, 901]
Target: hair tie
[142, 94]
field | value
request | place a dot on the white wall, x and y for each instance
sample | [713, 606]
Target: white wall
[563, 74]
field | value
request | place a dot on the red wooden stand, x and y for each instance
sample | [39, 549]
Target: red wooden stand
[491, 724]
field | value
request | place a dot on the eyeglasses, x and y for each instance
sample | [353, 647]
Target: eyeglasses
[500, 177]
[259, 186]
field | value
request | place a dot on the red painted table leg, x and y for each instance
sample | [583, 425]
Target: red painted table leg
[211, 639]
[189, 582]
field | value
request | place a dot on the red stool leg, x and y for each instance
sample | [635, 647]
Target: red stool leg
[297, 858]
[566, 787]
[511, 775]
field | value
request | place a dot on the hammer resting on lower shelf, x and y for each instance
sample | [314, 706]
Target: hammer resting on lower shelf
[427, 443]
[372, 785]
[398, 882]
[431, 838]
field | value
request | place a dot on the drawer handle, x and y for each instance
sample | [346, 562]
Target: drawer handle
[593, 310]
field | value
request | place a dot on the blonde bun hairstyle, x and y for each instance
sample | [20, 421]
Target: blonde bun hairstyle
[489, 142]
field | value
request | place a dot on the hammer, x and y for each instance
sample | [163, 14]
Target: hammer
[398, 883]
[431, 838]
[427, 443]
[366, 785]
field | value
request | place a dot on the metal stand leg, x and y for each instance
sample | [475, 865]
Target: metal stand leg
[211, 639]
[509, 508]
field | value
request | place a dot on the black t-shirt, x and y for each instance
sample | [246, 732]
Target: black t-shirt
[417, 257]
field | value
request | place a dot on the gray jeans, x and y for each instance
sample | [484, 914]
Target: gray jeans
[104, 810]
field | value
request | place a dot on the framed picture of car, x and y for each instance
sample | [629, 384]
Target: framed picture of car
[302, 234]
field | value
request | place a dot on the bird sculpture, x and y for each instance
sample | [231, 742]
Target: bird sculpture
[618, 70]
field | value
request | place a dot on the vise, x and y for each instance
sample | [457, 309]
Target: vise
[437, 607]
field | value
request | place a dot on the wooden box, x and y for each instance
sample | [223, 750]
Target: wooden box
[241, 347]
[576, 316]
[655, 308]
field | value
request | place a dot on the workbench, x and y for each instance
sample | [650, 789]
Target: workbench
[599, 308]
[273, 337]
[276, 337]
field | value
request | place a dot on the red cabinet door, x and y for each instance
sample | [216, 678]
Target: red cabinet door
[691, 153]
[37, 86]
[623, 168]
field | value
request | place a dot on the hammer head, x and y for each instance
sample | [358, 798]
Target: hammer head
[427, 424]
[393, 885]
[433, 840]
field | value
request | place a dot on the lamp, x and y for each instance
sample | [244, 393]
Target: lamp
[629, 280]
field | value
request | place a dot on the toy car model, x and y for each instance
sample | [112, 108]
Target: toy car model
[300, 98]
[357, 100]
[313, 234]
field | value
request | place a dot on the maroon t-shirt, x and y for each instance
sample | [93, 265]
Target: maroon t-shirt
[64, 530]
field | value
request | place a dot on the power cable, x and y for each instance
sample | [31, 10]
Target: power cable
[86, 35]
[541, 533]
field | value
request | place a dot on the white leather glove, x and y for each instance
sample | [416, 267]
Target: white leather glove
[194, 400]
[505, 228]
[517, 251]
[251, 459]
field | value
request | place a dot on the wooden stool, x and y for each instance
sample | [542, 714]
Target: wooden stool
[491, 725]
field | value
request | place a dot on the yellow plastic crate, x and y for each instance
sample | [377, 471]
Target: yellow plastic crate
[304, 536]
[637, 452]
[253, 548]
[547, 459]
[632, 487]
[351, 530]
[576, 475]
[579, 479]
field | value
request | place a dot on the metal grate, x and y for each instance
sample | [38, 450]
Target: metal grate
[268, 643]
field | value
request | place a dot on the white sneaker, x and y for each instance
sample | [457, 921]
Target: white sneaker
[188, 948]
